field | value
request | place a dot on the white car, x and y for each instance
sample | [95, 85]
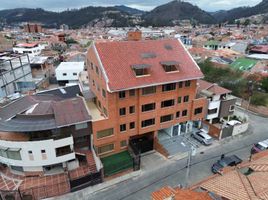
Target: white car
[203, 137]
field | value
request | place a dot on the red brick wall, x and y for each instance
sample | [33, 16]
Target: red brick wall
[113, 104]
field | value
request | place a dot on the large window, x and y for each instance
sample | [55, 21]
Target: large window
[13, 154]
[132, 109]
[166, 118]
[184, 113]
[105, 149]
[169, 87]
[132, 93]
[81, 126]
[187, 83]
[105, 133]
[131, 125]
[148, 90]
[212, 111]
[123, 127]
[122, 94]
[61, 151]
[198, 111]
[123, 143]
[186, 98]
[122, 111]
[148, 107]
[148, 122]
[167, 103]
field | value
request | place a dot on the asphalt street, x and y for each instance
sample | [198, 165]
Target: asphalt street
[174, 173]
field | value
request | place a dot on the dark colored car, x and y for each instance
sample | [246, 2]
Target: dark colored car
[224, 162]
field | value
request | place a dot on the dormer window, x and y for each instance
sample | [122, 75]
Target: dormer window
[170, 66]
[141, 69]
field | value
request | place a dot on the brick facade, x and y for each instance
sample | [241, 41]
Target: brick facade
[112, 103]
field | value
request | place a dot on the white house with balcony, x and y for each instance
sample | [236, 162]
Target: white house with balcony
[37, 133]
[32, 49]
[221, 103]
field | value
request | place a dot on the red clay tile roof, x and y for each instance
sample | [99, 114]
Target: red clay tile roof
[179, 194]
[118, 57]
[212, 87]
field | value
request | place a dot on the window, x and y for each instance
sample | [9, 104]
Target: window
[179, 100]
[148, 107]
[99, 103]
[123, 127]
[131, 125]
[64, 74]
[14, 154]
[232, 108]
[186, 98]
[132, 109]
[105, 133]
[169, 87]
[198, 111]
[148, 90]
[103, 93]
[170, 68]
[187, 83]
[93, 82]
[31, 157]
[184, 113]
[212, 111]
[74, 74]
[105, 149]
[97, 70]
[122, 94]
[180, 84]
[167, 103]
[141, 72]
[178, 114]
[132, 93]
[122, 111]
[81, 126]
[92, 66]
[123, 143]
[148, 122]
[43, 151]
[166, 118]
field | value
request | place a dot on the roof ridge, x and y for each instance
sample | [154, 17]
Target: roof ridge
[242, 181]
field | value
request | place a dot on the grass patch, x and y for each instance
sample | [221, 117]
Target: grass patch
[116, 163]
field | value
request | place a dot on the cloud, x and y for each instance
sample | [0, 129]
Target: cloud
[57, 5]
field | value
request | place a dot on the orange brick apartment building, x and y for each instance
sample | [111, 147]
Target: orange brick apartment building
[142, 87]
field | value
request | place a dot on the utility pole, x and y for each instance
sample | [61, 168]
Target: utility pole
[187, 178]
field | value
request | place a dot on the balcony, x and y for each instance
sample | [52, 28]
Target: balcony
[94, 111]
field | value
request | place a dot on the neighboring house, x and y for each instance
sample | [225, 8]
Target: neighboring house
[141, 89]
[212, 45]
[32, 49]
[169, 193]
[259, 49]
[221, 103]
[68, 72]
[247, 181]
[48, 135]
[15, 74]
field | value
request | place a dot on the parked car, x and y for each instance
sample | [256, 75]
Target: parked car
[260, 146]
[224, 162]
[203, 137]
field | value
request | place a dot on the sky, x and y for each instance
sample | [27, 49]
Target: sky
[59, 5]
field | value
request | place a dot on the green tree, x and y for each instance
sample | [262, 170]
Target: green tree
[264, 84]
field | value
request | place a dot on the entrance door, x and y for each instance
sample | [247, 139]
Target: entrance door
[176, 130]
